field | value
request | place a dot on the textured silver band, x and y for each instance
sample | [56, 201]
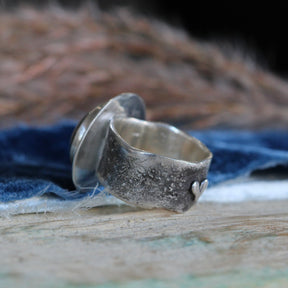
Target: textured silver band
[146, 164]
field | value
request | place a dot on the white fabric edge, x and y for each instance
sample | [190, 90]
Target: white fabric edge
[247, 190]
[229, 192]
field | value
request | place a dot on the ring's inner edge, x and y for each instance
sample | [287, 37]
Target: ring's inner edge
[161, 139]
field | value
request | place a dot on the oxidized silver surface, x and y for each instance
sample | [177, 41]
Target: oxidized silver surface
[146, 164]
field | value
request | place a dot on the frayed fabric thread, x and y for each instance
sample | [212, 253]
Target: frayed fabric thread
[35, 168]
[44, 204]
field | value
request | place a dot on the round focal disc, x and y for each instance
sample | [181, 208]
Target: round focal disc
[89, 137]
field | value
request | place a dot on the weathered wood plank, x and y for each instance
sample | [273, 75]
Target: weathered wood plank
[124, 244]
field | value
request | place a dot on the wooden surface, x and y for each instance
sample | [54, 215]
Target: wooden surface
[212, 245]
[61, 64]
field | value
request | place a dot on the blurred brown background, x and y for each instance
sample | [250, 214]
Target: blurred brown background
[58, 63]
[259, 32]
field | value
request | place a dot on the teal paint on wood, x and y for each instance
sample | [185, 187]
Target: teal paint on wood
[212, 245]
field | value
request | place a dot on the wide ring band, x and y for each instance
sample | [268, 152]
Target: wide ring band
[146, 164]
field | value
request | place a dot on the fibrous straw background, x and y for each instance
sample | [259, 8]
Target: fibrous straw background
[57, 64]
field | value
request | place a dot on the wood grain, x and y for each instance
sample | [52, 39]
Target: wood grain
[55, 65]
[120, 245]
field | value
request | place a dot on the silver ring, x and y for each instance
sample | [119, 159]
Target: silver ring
[145, 164]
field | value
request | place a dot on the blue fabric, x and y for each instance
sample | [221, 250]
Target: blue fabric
[239, 153]
[35, 161]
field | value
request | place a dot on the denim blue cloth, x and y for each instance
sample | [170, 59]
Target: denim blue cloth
[35, 161]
